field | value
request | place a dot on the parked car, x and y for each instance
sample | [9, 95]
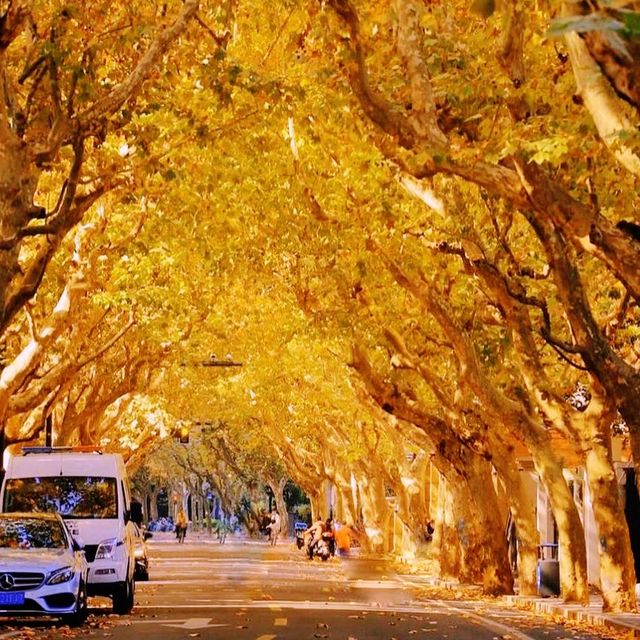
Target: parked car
[140, 554]
[43, 570]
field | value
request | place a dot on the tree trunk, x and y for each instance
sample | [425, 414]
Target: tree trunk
[572, 555]
[281, 505]
[523, 512]
[349, 509]
[445, 544]
[617, 579]
[481, 530]
[315, 500]
[375, 512]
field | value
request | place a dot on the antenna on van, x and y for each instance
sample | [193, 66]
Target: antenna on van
[78, 449]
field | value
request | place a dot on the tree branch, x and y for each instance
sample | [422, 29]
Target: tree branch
[124, 91]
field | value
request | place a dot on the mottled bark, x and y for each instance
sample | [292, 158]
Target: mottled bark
[511, 54]
[572, 554]
[617, 577]
[277, 487]
[480, 530]
[376, 515]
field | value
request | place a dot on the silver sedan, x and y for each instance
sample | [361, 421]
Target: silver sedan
[43, 570]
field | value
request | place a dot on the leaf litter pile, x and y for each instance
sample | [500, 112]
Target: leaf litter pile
[50, 630]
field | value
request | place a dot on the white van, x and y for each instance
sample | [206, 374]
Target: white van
[90, 490]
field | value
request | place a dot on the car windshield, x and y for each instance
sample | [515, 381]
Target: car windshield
[31, 533]
[70, 496]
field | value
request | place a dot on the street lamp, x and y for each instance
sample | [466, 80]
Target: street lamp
[213, 362]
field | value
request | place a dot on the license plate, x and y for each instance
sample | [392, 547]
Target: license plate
[12, 598]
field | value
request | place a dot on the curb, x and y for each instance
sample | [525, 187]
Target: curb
[629, 622]
[590, 614]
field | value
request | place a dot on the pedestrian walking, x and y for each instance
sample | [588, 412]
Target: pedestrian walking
[274, 527]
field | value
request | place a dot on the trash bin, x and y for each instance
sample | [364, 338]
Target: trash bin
[548, 571]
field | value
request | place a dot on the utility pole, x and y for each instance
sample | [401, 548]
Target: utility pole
[48, 431]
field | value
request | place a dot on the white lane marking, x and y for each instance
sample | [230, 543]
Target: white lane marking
[181, 623]
[280, 622]
[374, 584]
[244, 583]
[274, 607]
[307, 605]
[268, 637]
[498, 627]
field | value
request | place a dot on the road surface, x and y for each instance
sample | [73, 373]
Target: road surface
[249, 590]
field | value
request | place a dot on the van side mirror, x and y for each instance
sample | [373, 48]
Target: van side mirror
[147, 535]
[136, 512]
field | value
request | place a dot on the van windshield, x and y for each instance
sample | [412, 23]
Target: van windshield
[70, 496]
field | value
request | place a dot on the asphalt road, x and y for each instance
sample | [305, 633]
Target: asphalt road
[252, 591]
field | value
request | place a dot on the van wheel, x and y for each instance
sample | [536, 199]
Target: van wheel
[123, 598]
[79, 616]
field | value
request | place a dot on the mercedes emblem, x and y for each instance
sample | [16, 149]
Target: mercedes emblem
[6, 581]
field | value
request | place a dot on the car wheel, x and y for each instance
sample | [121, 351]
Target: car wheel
[79, 616]
[123, 597]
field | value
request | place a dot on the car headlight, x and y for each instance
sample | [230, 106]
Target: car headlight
[61, 575]
[106, 549]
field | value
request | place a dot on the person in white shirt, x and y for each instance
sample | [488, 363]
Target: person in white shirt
[274, 527]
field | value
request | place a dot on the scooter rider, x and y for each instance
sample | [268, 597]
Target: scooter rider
[314, 533]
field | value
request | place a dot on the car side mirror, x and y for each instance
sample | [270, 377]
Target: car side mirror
[147, 535]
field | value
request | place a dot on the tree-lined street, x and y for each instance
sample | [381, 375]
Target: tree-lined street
[372, 260]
